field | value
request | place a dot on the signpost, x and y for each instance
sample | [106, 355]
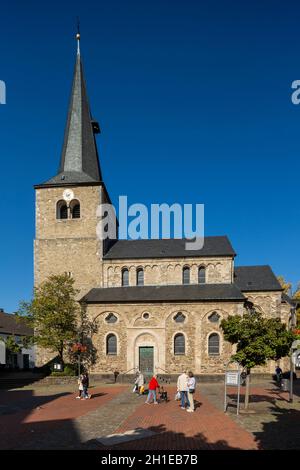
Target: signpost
[232, 379]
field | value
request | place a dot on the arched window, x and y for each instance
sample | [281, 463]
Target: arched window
[125, 277]
[214, 317]
[186, 275]
[201, 275]
[179, 344]
[61, 210]
[179, 317]
[111, 345]
[75, 209]
[214, 344]
[111, 318]
[140, 277]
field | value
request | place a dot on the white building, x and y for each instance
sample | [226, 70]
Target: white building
[25, 358]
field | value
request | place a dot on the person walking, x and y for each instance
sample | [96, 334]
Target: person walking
[139, 382]
[278, 372]
[153, 385]
[116, 373]
[182, 387]
[85, 384]
[191, 383]
[80, 387]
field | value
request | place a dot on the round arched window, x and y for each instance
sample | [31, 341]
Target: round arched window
[179, 344]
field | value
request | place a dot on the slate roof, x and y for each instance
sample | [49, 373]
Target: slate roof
[79, 162]
[256, 278]
[168, 248]
[175, 293]
[9, 325]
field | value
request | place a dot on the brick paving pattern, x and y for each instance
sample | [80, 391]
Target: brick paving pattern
[206, 428]
[51, 418]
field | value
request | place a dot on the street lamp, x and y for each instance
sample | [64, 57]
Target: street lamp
[79, 348]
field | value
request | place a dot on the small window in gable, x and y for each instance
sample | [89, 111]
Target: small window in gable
[214, 317]
[111, 318]
[179, 317]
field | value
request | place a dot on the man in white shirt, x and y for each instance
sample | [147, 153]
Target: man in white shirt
[182, 387]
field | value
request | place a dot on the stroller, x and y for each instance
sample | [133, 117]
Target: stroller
[163, 395]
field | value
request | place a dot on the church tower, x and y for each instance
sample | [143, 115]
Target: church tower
[66, 205]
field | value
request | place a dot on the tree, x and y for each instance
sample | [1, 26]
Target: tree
[287, 289]
[285, 285]
[296, 296]
[11, 344]
[257, 340]
[53, 313]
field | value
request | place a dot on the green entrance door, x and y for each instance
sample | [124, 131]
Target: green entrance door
[146, 360]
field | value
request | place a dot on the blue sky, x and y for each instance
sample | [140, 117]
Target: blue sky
[194, 102]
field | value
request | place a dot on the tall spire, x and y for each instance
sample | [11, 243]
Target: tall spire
[79, 159]
[78, 36]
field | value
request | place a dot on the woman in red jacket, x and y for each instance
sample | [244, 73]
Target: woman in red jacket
[153, 385]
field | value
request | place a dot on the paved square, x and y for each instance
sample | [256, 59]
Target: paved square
[39, 417]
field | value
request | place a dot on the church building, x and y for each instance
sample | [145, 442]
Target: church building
[158, 306]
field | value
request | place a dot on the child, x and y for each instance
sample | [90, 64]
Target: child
[163, 394]
[80, 387]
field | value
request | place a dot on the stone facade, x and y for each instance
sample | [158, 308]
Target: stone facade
[66, 244]
[158, 330]
[168, 271]
[71, 245]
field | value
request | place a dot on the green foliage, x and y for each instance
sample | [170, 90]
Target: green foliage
[70, 370]
[27, 341]
[258, 339]
[52, 313]
[284, 284]
[296, 296]
[287, 288]
[11, 345]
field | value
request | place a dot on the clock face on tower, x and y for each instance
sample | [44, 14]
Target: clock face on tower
[68, 195]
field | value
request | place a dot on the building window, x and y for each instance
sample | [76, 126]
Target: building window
[61, 210]
[214, 344]
[179, 317]
[186, 275]
[111, 318]
[214, 317]
[75, 209]
[201, 275]
[125, 277]
[140, 277]
[111, 345]
[179, 344]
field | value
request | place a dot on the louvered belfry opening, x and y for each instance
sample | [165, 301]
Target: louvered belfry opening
[61, 210]
[75, 209]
